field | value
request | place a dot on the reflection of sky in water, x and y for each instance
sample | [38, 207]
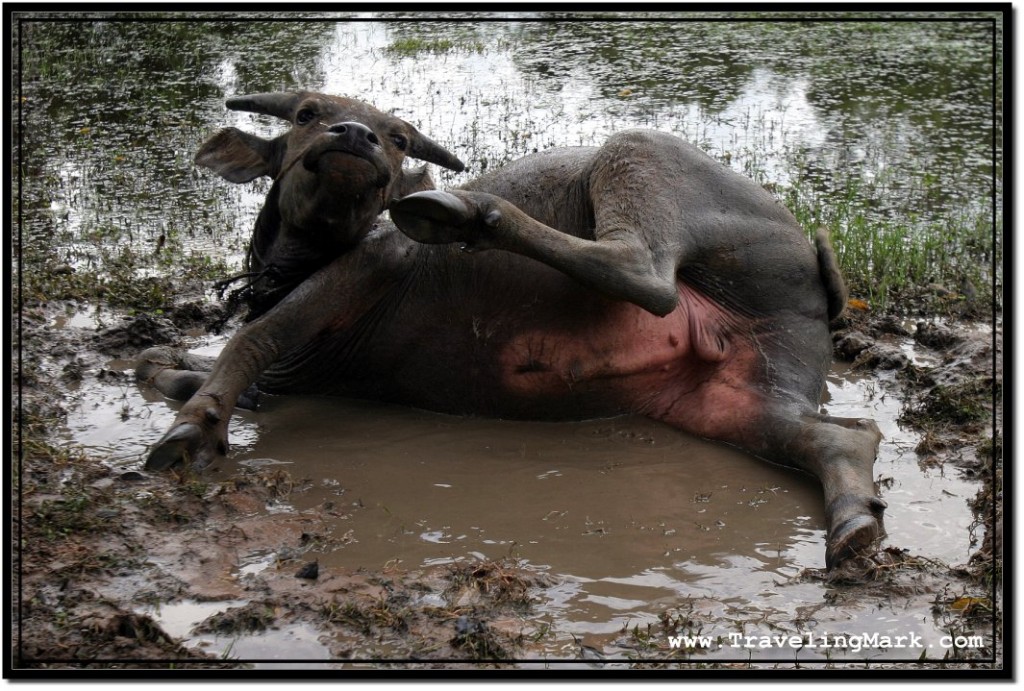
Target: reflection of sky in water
[770, 109]
[504, 102]
[568, 112]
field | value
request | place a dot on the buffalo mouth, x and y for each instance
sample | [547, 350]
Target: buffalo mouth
[330, 143]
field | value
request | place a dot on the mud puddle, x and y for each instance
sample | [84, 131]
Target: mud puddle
[181, 619]
[626, 519]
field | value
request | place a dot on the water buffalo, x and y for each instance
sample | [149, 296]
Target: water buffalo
[640, 276]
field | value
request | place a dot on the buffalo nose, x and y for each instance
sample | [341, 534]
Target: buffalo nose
[354, 131]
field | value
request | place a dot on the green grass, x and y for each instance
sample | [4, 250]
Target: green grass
[121, 277]
[885, 260]
[412, 46]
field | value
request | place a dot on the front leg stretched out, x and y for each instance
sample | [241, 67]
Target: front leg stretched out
[333, 298]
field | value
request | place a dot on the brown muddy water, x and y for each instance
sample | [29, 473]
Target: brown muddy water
[628, 517]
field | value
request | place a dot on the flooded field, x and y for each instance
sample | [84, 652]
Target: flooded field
[622, 520]
[892, 117]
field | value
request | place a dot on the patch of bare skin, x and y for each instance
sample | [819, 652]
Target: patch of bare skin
[594, 542]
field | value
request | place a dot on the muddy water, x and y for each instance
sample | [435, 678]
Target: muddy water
[628, 517]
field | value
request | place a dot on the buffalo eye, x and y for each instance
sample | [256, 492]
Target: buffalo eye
[401, 142]
[305, 116]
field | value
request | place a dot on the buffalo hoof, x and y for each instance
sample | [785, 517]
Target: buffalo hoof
[436, 217]
[850, 538]
[431, 217]
[186, 445]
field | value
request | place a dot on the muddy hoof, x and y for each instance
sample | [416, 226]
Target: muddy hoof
[178, 446]
[852, 537]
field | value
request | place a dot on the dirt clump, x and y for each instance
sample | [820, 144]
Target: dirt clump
[255, 616]
[136, 333]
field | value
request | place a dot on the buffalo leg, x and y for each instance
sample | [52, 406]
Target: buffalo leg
[178, 375]
[842, 456]
[840, 452]
[637, 246]
[199, 432]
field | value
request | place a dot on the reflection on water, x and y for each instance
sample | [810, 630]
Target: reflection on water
[113, 111]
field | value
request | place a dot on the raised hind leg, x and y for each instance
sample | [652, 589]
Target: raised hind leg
[178, 374]
[629, 203]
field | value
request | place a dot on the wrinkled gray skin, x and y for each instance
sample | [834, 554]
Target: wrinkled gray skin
[637, 277]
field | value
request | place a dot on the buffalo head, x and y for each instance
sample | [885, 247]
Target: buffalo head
[334, 171]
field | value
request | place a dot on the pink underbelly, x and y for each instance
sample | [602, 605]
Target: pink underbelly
[693, 368]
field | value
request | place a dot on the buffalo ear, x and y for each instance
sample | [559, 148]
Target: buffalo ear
[426, 149]
[238, 156]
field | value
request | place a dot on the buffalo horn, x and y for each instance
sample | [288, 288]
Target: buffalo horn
[280, 104]
[426, 149]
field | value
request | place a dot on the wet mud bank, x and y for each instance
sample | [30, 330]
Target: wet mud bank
[948, 372]
[257, 563]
